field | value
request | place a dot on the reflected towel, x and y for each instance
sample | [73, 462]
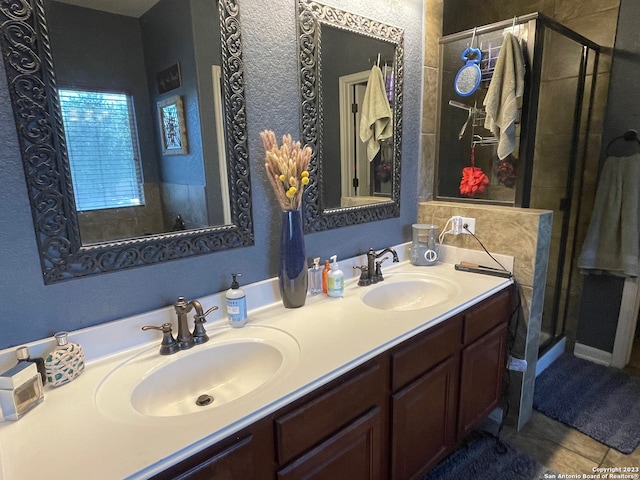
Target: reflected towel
[502, 99]
[376, 122]
[612, 243]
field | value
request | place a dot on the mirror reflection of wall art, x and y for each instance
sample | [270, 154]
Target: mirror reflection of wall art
[172, 126]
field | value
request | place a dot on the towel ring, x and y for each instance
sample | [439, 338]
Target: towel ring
[628, 136]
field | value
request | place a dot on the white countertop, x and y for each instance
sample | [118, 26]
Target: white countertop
[69, 437]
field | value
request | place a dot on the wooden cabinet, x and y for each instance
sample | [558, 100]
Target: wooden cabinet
[340, 433]
[444, 382]
[243, 455]
[354, 451]
[483, 360]
[481, 378]
[425, 399]
[395, 416]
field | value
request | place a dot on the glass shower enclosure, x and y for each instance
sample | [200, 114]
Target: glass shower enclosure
[553, 140]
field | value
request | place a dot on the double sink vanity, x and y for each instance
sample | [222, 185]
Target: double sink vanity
[382, 383]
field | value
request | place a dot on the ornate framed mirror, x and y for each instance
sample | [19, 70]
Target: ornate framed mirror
[337, 53]
[34, 59]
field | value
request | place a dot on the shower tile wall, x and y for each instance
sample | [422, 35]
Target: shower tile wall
[552, 157]
[559, 77]
[431, 74]
[523, 233]
[594, 19]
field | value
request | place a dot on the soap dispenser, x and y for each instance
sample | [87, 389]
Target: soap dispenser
[236, 303]
[64, 363]
[315, 278]
[335, 283]
[325, 277]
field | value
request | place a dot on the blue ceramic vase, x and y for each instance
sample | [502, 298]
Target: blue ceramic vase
[292, 270]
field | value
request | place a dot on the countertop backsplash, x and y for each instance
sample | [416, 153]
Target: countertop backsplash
[112, 337]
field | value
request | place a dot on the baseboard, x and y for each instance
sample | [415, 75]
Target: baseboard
[593, 354]
[551, 355]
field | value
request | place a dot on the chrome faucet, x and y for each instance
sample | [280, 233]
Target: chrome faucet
[373, 271]
[185, 339]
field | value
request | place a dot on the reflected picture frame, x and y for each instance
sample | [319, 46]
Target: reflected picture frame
[173, 130]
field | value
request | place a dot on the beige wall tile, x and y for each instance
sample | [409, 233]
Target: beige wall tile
[567, 9]
[599, 26]
[425, 186]
[430, 100]
[432, 32]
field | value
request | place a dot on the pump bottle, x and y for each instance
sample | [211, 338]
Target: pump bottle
[325, 277]
[315, 278]
[335, 283]
[236, 303]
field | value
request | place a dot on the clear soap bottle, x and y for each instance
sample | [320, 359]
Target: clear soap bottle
[315, 278]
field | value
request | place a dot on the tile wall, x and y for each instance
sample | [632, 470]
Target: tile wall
[594, 19]
[528, 241]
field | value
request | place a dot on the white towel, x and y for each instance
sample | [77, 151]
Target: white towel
[612, 243]
[376, 122]
[501, 101]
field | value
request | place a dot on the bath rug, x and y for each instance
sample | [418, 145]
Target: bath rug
[601, 402]
[486, 457]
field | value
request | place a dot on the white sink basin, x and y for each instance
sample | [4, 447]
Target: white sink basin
[234, 364]
[404, 292]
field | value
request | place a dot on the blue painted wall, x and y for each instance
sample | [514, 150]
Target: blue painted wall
[29, 310]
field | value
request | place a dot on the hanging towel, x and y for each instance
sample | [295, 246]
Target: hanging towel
[612, 243]
[505, 89]
[376, 121]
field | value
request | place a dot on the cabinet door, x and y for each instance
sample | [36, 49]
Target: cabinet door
[424, 421]
[481, 378]
[352, 453]
[247, 454]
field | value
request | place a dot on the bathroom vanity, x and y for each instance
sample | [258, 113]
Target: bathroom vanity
[342, 389]
[403, 410]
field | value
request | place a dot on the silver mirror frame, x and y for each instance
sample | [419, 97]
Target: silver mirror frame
[34, 95]
[311, 16]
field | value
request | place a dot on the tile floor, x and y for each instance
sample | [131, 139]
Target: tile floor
[565, 449]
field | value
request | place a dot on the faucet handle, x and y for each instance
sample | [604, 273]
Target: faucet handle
[199, 332]
[169, 344]
[364, 279]
[378, 273]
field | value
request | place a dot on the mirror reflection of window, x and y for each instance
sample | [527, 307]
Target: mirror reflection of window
[102, 145]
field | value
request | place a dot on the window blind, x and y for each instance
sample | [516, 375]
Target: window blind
[103, 150]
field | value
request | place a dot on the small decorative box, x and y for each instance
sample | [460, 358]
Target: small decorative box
[20, 390]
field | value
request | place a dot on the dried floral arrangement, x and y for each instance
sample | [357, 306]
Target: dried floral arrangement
[286, 168]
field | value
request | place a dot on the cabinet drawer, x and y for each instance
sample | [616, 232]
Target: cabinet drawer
[302, 428]
[419, 355]
[488, 314]
[245, 454]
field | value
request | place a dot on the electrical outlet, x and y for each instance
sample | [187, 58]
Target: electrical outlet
[456, 227]
[470, 223]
